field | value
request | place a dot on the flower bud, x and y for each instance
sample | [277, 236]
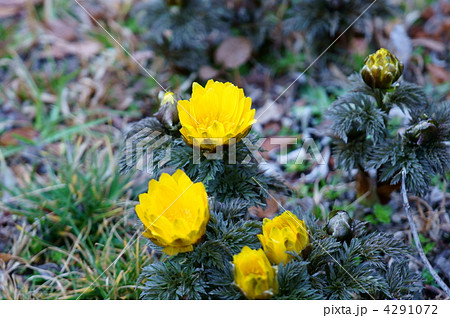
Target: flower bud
[168, 112]
[285, 233]
[339, 225]
[381, 69]
[254, 275]
[422, 132]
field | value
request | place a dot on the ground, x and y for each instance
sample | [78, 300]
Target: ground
[74, 75]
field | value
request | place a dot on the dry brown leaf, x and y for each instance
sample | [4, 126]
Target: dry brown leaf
[4, 257]
[430, 44]
[83, 49]
[9, 8]
[273, 143]
[22, 174]
[207, 72]
[359, 46]
[267, 212]
[6, 11]
[271, 111]
[233, 52]
[62, 29]
[439, 75]
[9, 138]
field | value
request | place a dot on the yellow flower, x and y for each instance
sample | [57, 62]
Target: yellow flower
[254, 275]
[174, 212]
[215, 114]
[381, 69]
[285, 233]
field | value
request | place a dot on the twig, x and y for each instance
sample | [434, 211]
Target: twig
[406, 206]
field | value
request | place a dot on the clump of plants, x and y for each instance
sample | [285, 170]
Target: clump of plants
[77, 193]
[185, 32]
[208, 138]
[180, 30]
[328, 19]
[196, 216]
[367, 136]
[391, 154]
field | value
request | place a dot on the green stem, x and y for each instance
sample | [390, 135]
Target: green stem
[379, 95]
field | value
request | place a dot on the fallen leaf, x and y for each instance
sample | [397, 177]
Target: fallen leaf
[233, 52]
[83, 49]
[439, 75]
[4, 257]
[62, 29]
[267, 212]
[207, 72]
[6, 12]
[9, 138]
[9, 8]
[430, 44]
[271, 111]
[359, 46]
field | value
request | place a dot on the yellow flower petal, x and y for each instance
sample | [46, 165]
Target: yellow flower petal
[254, 275]
[174, 212]
[285, 233]
[215, 114]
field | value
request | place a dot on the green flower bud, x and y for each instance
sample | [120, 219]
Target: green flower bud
[381, 69]
[168, 113]
[339, 225]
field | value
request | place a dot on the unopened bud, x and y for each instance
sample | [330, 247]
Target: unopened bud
[422, 132]
[339, 225]
[381, 69]
[168, 113]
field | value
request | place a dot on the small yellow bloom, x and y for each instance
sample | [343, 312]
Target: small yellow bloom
[215, 114]
[285, 233]
[381, 69]
[174, 212]
[254, 275]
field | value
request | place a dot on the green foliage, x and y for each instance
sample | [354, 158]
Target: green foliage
[428, 278]
[151, 147]
[327, 19]
[83, 189]
[409, 97]
[179, 30]
[295, 282]
[79, 224]
[427, 244]
[366, 137]
[185, 31]
[381, 214]
[366, 265]
[401, 281]
[357, 267]
[206, 270]
[173, 280]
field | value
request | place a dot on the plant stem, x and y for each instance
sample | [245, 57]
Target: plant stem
[407, 208]
[379, 95]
